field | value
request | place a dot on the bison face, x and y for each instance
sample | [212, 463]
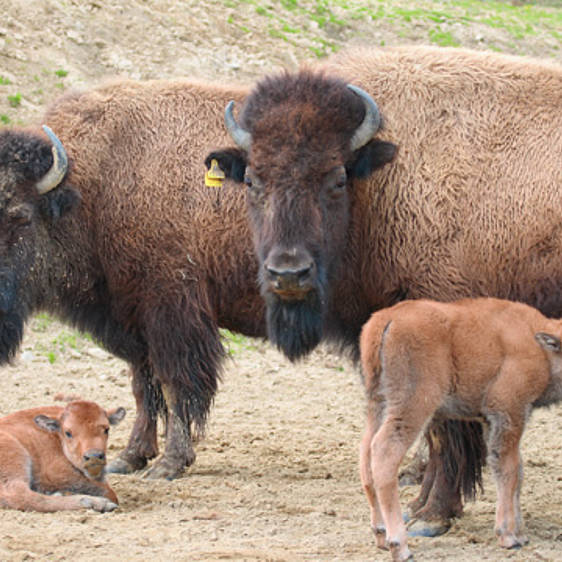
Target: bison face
[30, 167]
[302, 139]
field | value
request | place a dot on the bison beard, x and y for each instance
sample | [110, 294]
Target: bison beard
[295, 327]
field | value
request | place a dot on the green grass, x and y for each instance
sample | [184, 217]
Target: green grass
[61, 73]
[14, 100]
[4, 81]
[439, 21]
[235, 343]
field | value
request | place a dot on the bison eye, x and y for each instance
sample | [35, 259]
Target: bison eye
[248, 180]
[68, 434]
[339, 184]
[106, 430]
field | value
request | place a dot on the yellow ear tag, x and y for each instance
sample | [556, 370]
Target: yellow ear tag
[214, 176]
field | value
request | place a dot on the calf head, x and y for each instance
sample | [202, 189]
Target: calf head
[301, 140]
[30, 168]
[83, 430]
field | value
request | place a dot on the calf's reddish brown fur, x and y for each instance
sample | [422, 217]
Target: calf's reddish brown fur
[56, 449]
[484, 359]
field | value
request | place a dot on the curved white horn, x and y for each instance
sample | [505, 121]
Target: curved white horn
[59, 168]
[239, 135]
[371, 122]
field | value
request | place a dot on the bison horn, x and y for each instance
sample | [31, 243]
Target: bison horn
[59, 168]
[371, 122]
[239, 135]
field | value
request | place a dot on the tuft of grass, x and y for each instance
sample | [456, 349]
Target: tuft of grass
[4, 119]
[41, 322]
[14, 100]
[235, 343]
[51, 357]
[61, 73]
[4, 81]
[442, 38]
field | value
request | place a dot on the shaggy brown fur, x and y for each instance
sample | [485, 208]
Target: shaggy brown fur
[150, 262]
[470, 359]
[469, 206]
[54, 449]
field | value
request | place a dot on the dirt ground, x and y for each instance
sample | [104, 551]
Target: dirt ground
[276, 477]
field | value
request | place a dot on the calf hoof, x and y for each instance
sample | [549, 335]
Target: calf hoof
[380, 536]
[166, 468]
[102, 505]
[123, 466]
[433, 528]
[400, 553]
[512, 541]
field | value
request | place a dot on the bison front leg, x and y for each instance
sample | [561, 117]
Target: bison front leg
[179, 451]
[185, 353]
[143, 444]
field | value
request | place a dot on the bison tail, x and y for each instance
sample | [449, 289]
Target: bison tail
[464, 456]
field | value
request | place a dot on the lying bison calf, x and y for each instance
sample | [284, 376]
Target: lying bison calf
[55, 449]
[485, 359]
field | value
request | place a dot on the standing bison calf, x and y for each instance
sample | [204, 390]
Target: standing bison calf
[470, 359]
[55, 449]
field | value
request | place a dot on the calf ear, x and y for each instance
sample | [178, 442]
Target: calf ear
[115, 416]
[548, 341]
[232, 162]
[47, 423]
[368, 158]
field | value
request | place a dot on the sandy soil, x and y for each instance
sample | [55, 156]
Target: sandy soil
[276, 477]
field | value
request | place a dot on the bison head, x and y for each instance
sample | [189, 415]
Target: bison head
[30, 167]
[301, 140]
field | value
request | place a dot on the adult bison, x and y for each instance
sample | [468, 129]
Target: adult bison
[470, 204]
[150, 260]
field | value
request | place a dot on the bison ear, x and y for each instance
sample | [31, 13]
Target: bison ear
[232, 162]
[548, 341]
[115, 416]
[59, 202]
[47, 423]
[368, 158]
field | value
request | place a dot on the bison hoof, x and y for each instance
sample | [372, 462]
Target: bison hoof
[164, 468]
[191, 456]
[122, 466]
[434, 528]
[102, 505]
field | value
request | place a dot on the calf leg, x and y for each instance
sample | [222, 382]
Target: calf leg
[505, 460]
[17, 495]
[377, 523]
[388, 447]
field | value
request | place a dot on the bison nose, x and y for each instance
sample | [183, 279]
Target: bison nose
[290, 277]
[94, 455]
